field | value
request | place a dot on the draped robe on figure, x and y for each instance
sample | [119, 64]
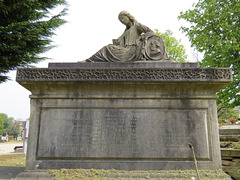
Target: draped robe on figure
[127, 48]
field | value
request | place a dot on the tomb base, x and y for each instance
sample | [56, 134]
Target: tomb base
[126, 116]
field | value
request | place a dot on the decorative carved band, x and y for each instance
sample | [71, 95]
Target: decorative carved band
[192, 74]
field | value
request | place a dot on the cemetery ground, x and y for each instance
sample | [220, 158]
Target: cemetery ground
[13, 159]
[15, 162]
[8, 157]
[11, 163]
[8, 147]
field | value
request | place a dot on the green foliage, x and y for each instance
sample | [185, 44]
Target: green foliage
[13, 129]
[176, 51]
[215, 31]
[227, 113]
[1, 126]
[5, 121]
[25, 30]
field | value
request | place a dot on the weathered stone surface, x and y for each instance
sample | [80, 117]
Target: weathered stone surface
[230, 152]
[138, 42]
[231, 129]
[123, 116]
[34, 175]
[122, 133]
[118, 72]
[130, 65]
[229, 138]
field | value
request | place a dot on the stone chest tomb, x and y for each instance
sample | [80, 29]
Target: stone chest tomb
[126, 107]
[135, 115]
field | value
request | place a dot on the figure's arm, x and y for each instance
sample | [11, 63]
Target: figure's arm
[144, 29]
[119, 41]
[116, 42]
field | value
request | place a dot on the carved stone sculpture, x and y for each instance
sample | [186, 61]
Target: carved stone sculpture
[137, 43]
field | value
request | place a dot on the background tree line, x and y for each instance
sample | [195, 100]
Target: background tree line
[26, 28]
[215, 31]
[8, 126]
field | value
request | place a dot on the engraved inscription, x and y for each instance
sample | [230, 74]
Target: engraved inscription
[123, 133]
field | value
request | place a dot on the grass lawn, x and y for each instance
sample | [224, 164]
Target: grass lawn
[13, 160]
[74, 174]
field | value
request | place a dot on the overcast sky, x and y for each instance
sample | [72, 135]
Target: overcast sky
[91, 25]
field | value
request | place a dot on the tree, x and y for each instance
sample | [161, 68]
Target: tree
[25, 30]
[176, 51]
[6, 122]
[13, 129]
[227, 113]
[1, 126]
[215, 31]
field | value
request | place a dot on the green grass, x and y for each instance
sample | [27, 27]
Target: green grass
[74, 174]
[13, 160]
[87, 174]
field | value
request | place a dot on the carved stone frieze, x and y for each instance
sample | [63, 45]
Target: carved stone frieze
[148, 74]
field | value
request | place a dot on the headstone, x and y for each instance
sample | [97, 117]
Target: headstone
[19, 138]
[126, 116]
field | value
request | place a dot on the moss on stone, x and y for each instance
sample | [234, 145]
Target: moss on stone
[68, 174]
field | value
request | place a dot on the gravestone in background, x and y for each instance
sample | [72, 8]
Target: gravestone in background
[139, 115]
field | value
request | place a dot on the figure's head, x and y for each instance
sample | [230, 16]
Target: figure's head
[125, 17]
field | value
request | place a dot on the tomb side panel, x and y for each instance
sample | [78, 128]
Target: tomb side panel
[123, 133]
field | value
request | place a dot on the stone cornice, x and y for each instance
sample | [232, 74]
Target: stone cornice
[124, 74]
